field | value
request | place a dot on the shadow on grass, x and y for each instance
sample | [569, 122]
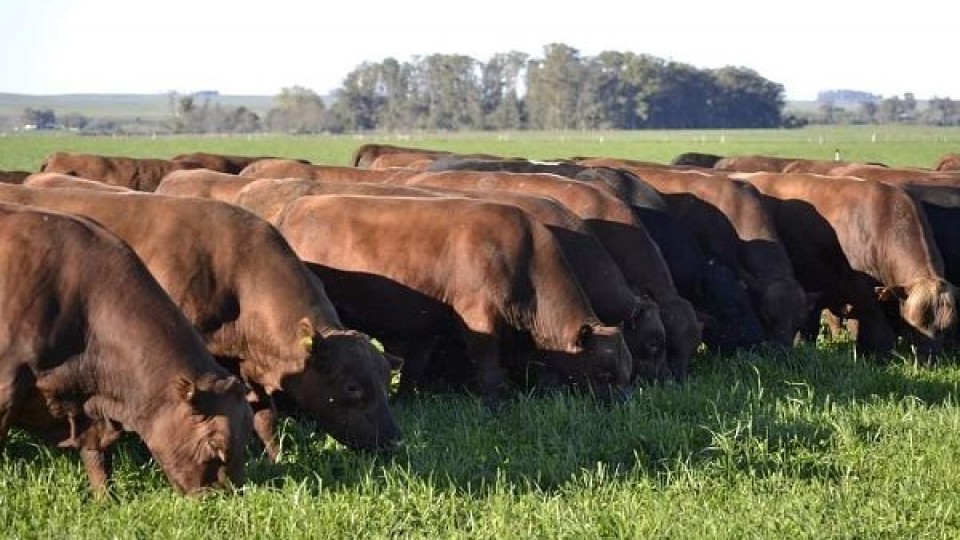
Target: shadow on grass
[761, 414]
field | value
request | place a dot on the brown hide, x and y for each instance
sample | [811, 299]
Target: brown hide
[597, 273]
[283, 168]
[141, 174]
[252, 300]
[409, 161]
[729, 219]
[58, 180]
[893, 175]
[847, 237]
[202, 183]
[948, 162]
[621, 234]
[753, 163]
[93, 346]
[225, 163]
[364, 155]
[489, 264]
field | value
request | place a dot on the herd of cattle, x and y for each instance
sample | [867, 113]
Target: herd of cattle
[188, 300]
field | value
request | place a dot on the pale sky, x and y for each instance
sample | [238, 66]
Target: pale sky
[241, 47]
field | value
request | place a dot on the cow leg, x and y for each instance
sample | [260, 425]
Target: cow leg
[484, 352]
[98, 464]
[264, 419]
[13, 384]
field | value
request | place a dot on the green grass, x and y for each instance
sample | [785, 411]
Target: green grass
[814, 443]
[808, 444]
[895, 145]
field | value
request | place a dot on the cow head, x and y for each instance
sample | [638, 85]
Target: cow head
[344, 387]
[684, 333]
[782, 308]
[199, 435]
[928, 306]
[599, 362]
[645, 336]
[724, 298]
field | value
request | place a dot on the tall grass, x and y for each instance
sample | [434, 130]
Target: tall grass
[809, 443]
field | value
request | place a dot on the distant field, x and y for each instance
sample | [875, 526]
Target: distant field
[145, 106]
[813, 443]
[894, 145]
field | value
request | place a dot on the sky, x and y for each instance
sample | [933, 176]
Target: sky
[239, 47]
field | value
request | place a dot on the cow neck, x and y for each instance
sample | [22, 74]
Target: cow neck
[139, 349]
[561, 305]
[905, 252]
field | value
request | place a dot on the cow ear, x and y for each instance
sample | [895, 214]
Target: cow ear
[185, 388]
[890, 293]
[305, 333]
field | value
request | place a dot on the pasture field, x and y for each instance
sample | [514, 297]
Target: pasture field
[810, 443]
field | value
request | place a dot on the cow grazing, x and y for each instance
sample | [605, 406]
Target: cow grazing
[422, 267]
[258, 308]
[597, 273]
[732, 225]
[714, 288]
[614, 224]
[94, 347]
[225, 163]
[729, 321]
[202, 183]
[141, 174]
[860, 244]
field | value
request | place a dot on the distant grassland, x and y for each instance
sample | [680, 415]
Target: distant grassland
[811, 443]
[893, 145]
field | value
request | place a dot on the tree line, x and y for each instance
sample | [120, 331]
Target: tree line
[562, 90]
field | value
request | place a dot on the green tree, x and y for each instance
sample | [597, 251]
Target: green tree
[40, 118]
[297, 110]
[554, 88]
[500, 98]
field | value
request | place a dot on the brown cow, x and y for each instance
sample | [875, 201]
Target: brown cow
[58, 180]
[486, 268]
[141, 174]
[225, 163]
[862, 243]
[948, 162]
[895, 175]
[597, 273]
[729, 219]
[259, 309]
[285, 168]
[202, 183]
[407, 161]
[754, 163]
[92, 347]
[615, 225]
